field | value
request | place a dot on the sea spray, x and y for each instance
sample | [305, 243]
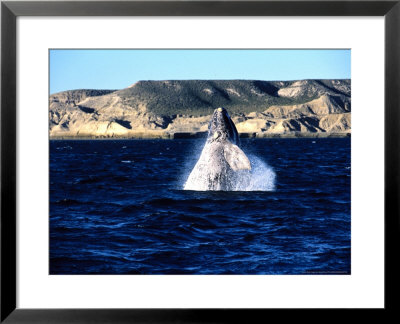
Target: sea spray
[189, 162]
[261, 177]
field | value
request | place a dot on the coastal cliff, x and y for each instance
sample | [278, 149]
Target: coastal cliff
[173, 109]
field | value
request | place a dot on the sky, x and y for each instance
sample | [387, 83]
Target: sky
[118, 69]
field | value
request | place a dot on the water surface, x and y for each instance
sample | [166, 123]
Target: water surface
[117, 207]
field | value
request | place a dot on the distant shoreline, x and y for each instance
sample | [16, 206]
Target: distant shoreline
[183, 109]
[172, 136]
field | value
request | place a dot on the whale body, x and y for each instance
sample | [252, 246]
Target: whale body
[222, 164]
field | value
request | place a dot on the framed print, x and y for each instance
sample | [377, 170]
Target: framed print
[198, 160]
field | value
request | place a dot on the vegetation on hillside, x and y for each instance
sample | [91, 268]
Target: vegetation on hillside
[151, 107]
[201, 97]
[75, 96]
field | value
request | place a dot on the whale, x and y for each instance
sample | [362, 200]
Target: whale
[222, 163]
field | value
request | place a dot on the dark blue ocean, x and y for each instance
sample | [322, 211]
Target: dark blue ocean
[117, 207]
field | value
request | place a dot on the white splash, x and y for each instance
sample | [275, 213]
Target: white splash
[260, 178]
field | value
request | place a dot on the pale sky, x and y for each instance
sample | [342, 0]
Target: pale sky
[117, 69]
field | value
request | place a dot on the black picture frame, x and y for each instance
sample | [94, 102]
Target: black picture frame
[10, 10]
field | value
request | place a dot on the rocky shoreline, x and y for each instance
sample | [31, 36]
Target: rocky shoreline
[172, 136]
[182, 109]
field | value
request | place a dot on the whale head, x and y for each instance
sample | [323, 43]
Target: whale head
[222, 164]
[222, 127]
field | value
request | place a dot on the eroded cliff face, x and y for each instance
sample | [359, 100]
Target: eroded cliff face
[327, 114]
[164, 108]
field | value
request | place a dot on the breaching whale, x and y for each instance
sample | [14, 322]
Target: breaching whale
[222, 163]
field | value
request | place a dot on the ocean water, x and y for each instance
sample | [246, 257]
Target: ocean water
[118, 207]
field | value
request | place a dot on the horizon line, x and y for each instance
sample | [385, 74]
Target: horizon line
[164, 80]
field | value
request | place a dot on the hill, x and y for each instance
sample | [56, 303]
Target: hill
[168, 108]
